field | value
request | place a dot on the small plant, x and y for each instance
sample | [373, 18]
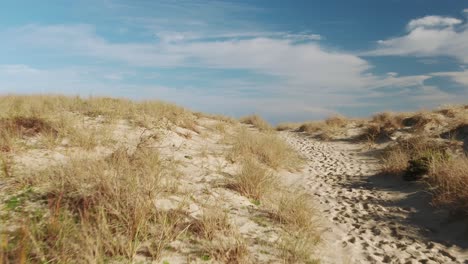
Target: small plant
[253, 180]
[256, 202]
[267, 148]
[6, 166]
[257, 122]
[295, 213]
[287, 126]
[210, 224]
[449, 181]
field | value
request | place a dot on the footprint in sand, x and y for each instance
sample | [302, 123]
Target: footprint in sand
[366, 227]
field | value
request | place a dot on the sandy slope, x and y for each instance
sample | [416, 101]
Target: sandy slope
[371, 218]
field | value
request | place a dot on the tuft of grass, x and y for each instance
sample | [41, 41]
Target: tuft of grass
[253, 180]
[381, 126]
[293, 210]
[395, 162]
[328, 128]
[5, 166]
[287, 126]
[228, 249]
[220, 239]
[257, 122]
[18, 127]
[449, 181]
[396, 158]
[336, 121]
[311, 127]
[211, 223]
[267, 148]
[295, 213]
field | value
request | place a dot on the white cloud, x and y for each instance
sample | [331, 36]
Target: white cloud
[433, 21]
[308, 77]
[393, 80]
[460, 77]
[277, 54]
[428, 37]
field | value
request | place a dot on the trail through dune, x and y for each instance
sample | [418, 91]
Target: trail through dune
[369, 219]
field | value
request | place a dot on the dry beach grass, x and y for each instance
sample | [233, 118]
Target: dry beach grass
[104, 180]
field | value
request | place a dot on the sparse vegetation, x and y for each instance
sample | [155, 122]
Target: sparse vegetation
[83, 181]
[253, 180]
[311, 127]
[96, 210]
[221, 240]
[287, 126]
[295, 213]
[256, 121]
[146, 113]
[267, 148]
[449, 178]
[292, 210]
[423, 155]
[327, 129]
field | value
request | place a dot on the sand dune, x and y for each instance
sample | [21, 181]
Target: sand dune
[369, 219]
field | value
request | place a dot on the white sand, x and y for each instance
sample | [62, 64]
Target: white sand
[370, 218]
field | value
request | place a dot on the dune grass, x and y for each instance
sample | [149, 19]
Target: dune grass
[449, 182]
[80, 122]
[145, 113]
[257, 122]
[295, 213]
[92, 211]
[220, 239]
[326, 129]
[266, 148]
[101, 209]
[258, 153]
[287, 126]
[253, 180]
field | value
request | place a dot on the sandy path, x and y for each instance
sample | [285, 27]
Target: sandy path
[367, 222]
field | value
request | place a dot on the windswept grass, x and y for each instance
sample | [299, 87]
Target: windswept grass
[311, 127]
[94, 211]
[257, 152]
[17, 127]
[257, 122]
[220, 239]
[287, 126]
[381, 126]
[449, 181]
[145, 113]
[396, 158]
[80, 122]
[327, 129]
[253, 180]
[267, 148]
[295, 213]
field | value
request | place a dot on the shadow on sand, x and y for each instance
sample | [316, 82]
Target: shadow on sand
[413, 200]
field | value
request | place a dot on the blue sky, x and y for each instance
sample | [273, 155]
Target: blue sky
[286, 60]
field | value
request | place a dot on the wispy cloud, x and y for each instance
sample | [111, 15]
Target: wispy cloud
[426, 37]
[460, 77]
[297, 71]
[277, 54]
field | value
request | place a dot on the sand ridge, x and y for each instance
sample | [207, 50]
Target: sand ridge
[366, 223]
